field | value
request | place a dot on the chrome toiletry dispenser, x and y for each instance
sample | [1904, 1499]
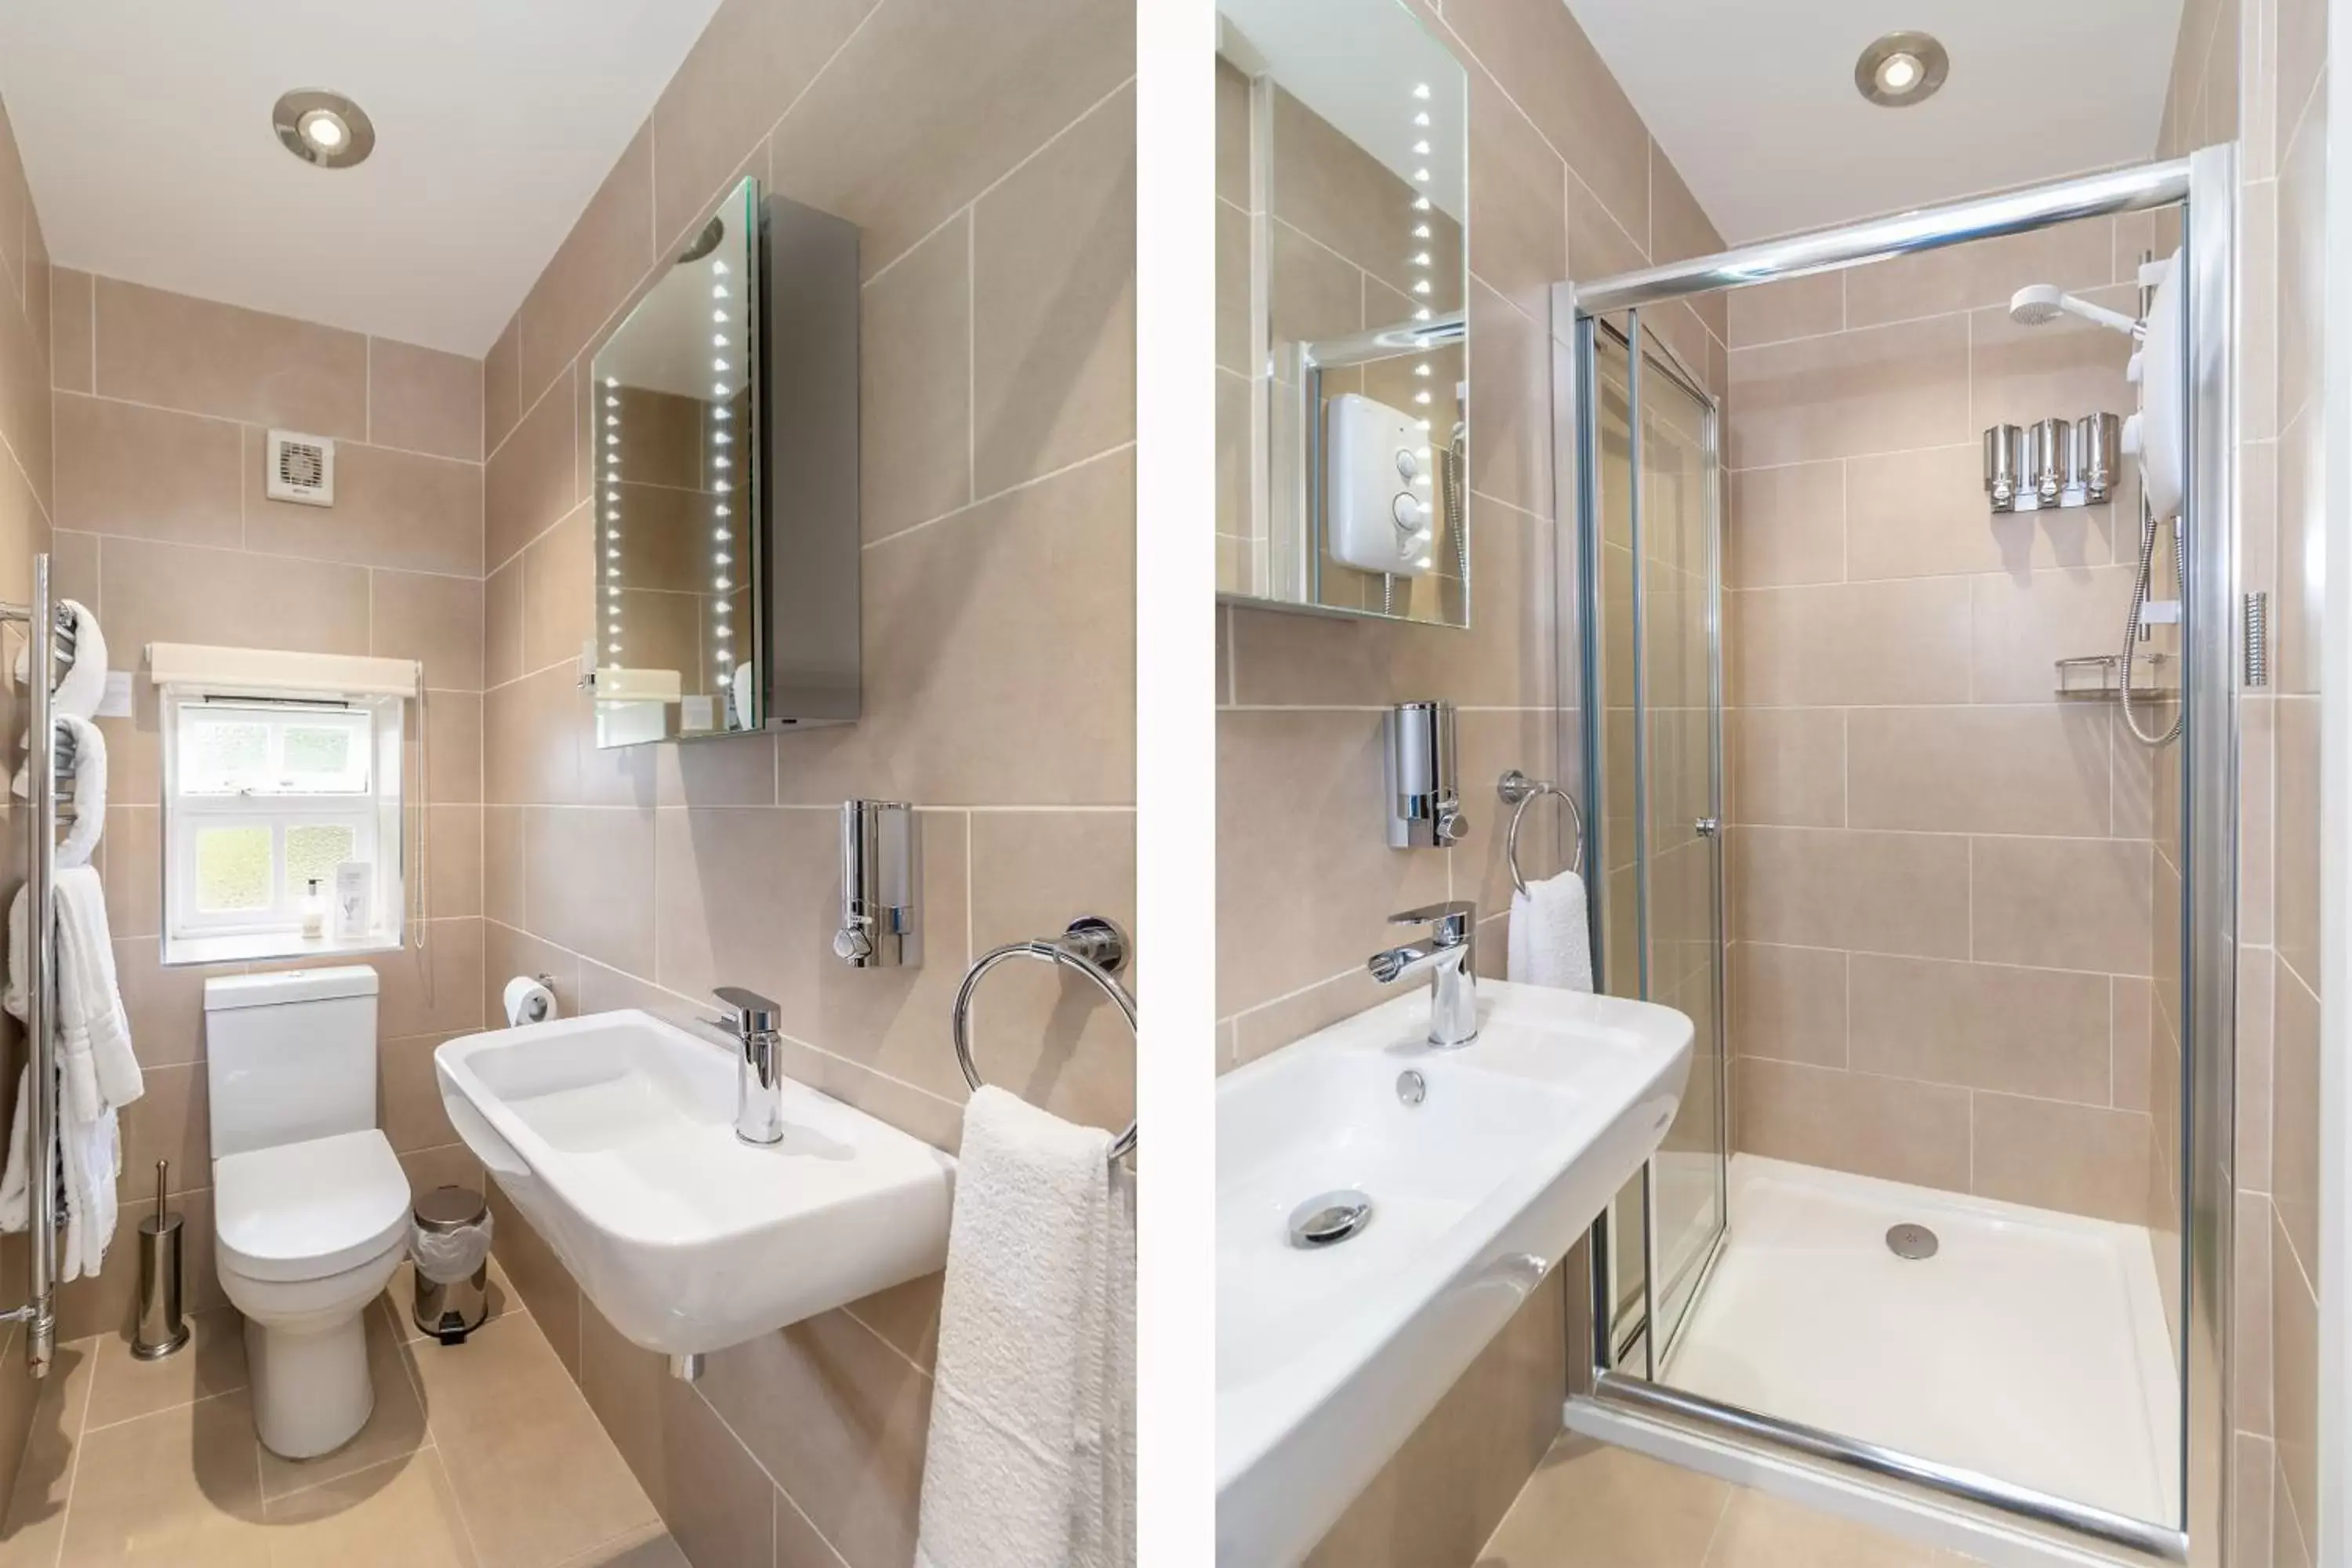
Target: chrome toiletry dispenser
[1424, 795]
[881, 866]
[2052, 463]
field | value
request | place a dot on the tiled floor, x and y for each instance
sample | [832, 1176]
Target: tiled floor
[1590, 1505]
[479, 1456]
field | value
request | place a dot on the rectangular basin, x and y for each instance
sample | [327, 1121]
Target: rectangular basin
[1330, 1356]
[615, 1135]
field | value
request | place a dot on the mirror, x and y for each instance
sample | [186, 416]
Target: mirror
[725, 605]
[1342, 350]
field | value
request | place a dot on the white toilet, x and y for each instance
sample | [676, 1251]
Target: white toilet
[310, 1208]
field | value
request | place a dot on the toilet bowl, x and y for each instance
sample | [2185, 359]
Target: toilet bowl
[310, 1207]
[306, 1236]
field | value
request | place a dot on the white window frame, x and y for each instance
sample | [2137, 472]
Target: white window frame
[372, 807]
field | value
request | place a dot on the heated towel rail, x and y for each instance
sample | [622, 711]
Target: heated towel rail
[50, 653]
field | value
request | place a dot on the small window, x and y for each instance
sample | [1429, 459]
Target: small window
[262, 798]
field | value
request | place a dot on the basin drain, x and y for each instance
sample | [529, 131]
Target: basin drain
[1912, 1241]
[1330, 1219]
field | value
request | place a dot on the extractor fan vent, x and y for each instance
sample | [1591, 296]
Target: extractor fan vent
[302, 468]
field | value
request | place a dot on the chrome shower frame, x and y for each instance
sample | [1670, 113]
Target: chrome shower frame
[1758, 1446]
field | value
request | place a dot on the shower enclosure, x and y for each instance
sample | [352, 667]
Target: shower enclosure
[1748, 1289]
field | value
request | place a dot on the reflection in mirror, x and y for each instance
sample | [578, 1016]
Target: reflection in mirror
[1342, 357]
[675, 413]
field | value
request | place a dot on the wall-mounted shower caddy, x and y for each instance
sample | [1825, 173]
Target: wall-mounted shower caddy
[2052, 463]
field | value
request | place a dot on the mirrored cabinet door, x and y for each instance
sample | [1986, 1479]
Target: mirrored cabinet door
[1342, 350]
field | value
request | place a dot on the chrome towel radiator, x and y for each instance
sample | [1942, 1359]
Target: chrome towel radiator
[50, 653]
[1090, 946]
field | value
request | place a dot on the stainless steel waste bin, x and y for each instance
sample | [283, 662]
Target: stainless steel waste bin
[450, 1309]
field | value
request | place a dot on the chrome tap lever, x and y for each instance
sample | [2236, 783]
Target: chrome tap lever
[1449, 961]
[759, 1067]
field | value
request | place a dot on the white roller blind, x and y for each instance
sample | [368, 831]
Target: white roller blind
[265, 672]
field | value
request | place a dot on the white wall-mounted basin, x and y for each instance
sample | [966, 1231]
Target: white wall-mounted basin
[1329, 1356]
[615, 1135]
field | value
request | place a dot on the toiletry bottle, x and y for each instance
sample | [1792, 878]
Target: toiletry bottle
[314, 912]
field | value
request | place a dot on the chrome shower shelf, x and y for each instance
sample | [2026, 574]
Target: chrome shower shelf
[2093, 678]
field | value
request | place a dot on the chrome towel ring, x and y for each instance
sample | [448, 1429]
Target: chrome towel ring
[1519, 790]
[1091, 946]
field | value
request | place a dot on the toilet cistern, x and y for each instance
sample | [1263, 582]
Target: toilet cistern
[759, 1065]
[1447, 961]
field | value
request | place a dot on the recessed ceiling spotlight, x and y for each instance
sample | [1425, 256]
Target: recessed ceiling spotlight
[1901, 69]
[323, 128]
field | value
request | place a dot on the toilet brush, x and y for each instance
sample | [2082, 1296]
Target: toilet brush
[162, 1327]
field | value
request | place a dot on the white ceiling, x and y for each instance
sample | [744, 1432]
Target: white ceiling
[1755, 102]
[144, 126]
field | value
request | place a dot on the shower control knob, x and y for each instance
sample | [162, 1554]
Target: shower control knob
[1407, 465]
[1408, 511]
[851, 943]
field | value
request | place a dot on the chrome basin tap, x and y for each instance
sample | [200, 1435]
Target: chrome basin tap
[758, 1067]
[1448, 961]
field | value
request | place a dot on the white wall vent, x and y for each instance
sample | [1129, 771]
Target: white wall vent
[302, 468]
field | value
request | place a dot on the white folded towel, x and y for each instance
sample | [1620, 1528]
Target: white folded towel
[84, 685]
[1031, 1457]
[96, 1066]
[87, 793]
[88, 1165]
[1550, 941]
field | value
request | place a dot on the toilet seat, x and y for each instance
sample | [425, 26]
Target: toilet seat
[311, 1210]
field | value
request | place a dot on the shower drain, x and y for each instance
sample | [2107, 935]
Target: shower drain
[1330, 1219]
[1912, 1241]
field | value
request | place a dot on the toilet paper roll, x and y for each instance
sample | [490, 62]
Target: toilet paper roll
[529, 1001]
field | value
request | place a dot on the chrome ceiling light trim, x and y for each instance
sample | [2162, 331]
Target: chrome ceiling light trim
[323, 128]
[1901, 69]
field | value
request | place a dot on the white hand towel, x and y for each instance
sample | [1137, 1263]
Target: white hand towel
[96, 1066]
[1032, 1404]
[1550, 941]
[89, 792]
[84, 685]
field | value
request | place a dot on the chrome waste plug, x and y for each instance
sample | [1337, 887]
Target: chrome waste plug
[450, 1241]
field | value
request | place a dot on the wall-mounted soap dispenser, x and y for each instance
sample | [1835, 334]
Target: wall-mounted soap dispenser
[881, 867]
[1424, 794]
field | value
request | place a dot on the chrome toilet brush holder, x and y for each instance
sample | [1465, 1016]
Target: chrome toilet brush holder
[163, 1321]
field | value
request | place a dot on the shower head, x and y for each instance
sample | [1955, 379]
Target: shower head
[2038, 304]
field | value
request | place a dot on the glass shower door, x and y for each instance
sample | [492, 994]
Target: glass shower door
[1654, 678]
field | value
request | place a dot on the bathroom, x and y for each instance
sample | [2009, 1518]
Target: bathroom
[1836, 736]
[439, 313]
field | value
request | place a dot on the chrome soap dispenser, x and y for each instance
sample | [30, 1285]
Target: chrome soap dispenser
[1423, 794]
[881, 866]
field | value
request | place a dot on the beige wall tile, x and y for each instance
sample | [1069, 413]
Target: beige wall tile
[2028, 770]
[2068, 1157]
[1915, 514]
[2302, 250]
[148, 473]
[408, 1095]
[750, 64]
[532, 479]
[392, 508]
[915, 434]
[2022, 625]
[2296, 1099]
[964, 621]
[559, 585]
[1863, 643]
[2131, 1046]
[1595, 1505]
[502, 386]
[1884, 389]
[593, 273]
[2251, 1154]
[2074, 256]
[1789, 766]
[2302, 522]
[170, 1121]
[2297, 874]
[1788, 1003]
[1786, 525]
[2064, 368]
[172, 593]
[839, 1418]
[2250, 1328]
[436, 992]
[1799, 308]
[907, 124]
[1545, 63]
[1883, 892]
[588, 881]
[70, 341]
[425, 400]
[1308, 888]
[432, 618]
[1053, 313]
[165, 1006]
[2040, 1032]
[2295, 1349]
[1888, 1127]
[1327, 187]
[131, 870]
[2073, 903]
[720, 1506]
[503, 624]
[1519, 222]
[529, 739]
[625, 1384]
[177, 351]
